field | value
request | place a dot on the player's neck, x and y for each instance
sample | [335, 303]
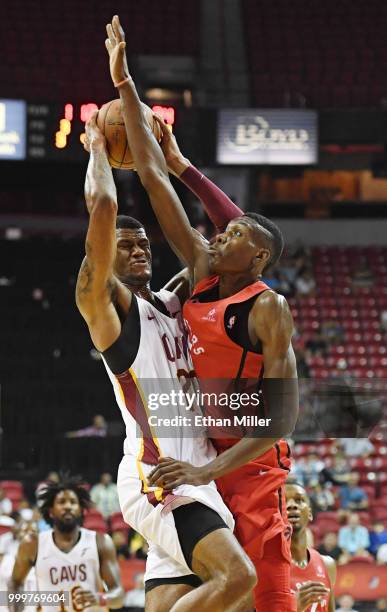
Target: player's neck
[66, 541]
[299, 547]
[229, 284]
[143, 291]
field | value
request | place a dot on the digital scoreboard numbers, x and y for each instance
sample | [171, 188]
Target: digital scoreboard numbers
[56, 131]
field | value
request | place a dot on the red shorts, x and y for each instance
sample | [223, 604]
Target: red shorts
[256, 497]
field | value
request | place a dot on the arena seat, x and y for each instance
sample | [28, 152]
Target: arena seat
[95, 523]
[117, 522]
[314, 42]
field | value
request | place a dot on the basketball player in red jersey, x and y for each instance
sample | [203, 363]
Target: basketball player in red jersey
[226, 275]
[312, 575]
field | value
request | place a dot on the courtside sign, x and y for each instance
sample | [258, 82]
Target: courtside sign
[267, 136]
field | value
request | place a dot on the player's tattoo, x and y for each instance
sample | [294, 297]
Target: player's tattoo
[85, 277]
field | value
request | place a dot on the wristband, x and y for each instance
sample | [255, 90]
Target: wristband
[102, 600]
[120, 83]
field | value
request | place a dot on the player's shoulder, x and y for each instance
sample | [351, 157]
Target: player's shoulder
[271, 306]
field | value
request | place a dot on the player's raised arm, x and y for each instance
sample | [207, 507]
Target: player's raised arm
[96, 283]
[216, 203]
[149, 159]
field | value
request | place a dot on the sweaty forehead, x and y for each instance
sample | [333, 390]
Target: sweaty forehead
[130, 234]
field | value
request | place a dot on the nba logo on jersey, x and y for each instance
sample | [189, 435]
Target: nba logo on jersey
[210, 316]
[231, 322]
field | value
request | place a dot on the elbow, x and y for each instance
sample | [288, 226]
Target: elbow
[103, 202]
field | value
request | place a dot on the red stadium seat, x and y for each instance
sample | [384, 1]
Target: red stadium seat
[95, 524]
[117, 522]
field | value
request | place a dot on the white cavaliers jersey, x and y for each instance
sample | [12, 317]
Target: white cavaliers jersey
[162, 367]
[58, 571]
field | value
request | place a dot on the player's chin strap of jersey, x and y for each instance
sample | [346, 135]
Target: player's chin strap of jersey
[281, 403]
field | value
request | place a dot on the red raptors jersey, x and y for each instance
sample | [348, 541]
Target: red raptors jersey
[214, 354]
[315, 571]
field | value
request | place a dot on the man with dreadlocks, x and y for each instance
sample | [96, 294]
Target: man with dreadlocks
[69, 558]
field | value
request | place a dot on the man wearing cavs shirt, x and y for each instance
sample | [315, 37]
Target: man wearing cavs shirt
[239, 329]
[227, 278]
[312, 575]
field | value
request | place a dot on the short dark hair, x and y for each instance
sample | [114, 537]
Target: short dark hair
[46, 498]
[276, 240]
[126, 222]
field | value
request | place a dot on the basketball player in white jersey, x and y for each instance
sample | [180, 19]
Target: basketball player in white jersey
[194, 561]
[68, 558]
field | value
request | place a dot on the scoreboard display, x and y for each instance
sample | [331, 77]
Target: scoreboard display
[44, 132]
[56, 131]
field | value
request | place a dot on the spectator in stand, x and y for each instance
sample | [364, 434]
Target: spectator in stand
[322, 498]
[105, 497]
[97, 430]
[121, 544]
[142, 552]
[305, 283]
[346, 603]
[340, 471]
[332, 331]
[378, 539]
[317, 345]
[284, 287]
[137, 545]
[271, 280]
[354, 538]
[362, 276]
[289, 269]
[5, 504]
[330, 547]
[352, 496]
[356, 447]
[381, 604]
[307, 470]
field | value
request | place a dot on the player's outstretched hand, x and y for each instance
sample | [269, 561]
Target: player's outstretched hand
[116, 45]
[173, 156]
[94, 137]
[309, 593]
[170, 473]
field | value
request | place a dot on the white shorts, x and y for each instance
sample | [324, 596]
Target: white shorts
[156, 524]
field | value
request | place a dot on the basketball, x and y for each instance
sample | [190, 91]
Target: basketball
[111, 123]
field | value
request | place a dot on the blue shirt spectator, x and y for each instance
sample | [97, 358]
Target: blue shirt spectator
[353, 497]
[378, 536]
[354, 538]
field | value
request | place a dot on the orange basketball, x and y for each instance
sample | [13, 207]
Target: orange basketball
[111, 123]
